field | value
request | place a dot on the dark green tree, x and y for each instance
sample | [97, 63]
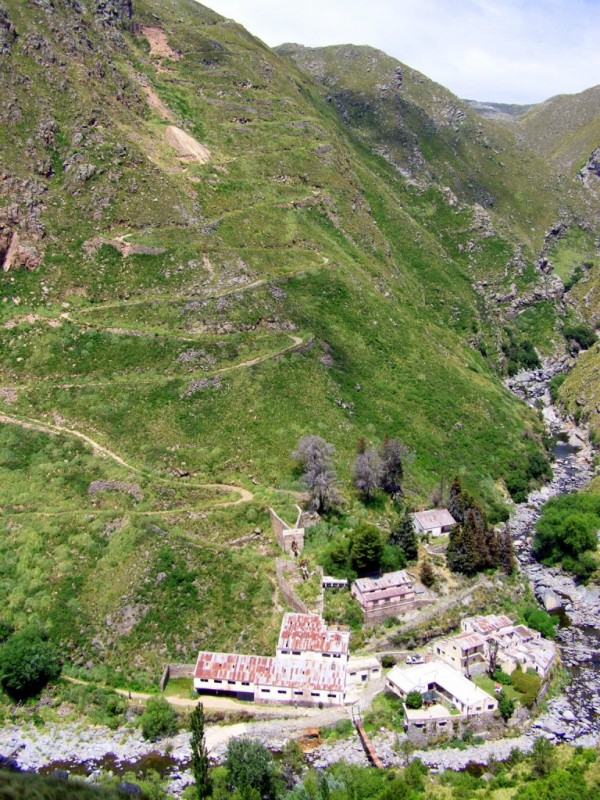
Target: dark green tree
[506, 706]
[251, 767]
[427, 573]
[27, 663]
[366, 549]
[200, 762]
[456, 501]
[507, 553]
[456, 553]
[414, 700]
[404, 536]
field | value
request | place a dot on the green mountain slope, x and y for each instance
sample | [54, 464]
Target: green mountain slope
[201, 263]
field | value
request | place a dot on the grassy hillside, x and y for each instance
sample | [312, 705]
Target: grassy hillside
[202, 263]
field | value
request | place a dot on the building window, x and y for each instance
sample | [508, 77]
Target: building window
[331, 695]
[297, 652]
[266, 691]
[280, 691]
[315, 694]
[245, 683]
[204, 680]
[218, 680]
[490, 705]
[326, 655]
[297, 692]
[230, 681]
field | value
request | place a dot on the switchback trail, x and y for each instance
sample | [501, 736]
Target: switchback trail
[57, 430]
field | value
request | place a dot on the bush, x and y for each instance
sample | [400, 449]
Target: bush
[27, 663]
[251, 767]
[367, 548]
[554, 385]
[527, 684]
[540, 620]
[388, 661]
[414, 700]
[502, 677]
[158, 719]
[506, 707]
[582, 334]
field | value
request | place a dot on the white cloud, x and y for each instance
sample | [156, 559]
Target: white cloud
[503, 50]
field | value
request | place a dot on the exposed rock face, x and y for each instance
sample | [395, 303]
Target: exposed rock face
[591, 169]
[115, 12]
[8, 33]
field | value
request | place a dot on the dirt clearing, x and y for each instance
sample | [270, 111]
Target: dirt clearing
[188, 149]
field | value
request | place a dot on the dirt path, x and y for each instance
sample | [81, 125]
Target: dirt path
[37, 425]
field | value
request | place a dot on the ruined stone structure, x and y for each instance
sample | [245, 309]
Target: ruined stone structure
[289, 538]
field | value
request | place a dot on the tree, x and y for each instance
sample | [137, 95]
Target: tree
[251, 767]
[506, 706]
[527, 683]
[543, 757]
[405, 748]
[393, 452]
[493, 648]
[27, 663]
[414, 700]
[507, 553]
[200, 762]
[315, 456]
[427, 573]
[367, 473]
[366, 549]
[456, 555]
[403, 534]
[456, 503]
[158, 720]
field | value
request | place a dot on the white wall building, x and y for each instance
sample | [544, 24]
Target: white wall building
[435, 522]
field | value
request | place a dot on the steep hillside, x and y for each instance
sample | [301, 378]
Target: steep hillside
[433, 136]
[200, 264]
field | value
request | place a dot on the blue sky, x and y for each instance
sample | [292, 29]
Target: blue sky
[501, 50]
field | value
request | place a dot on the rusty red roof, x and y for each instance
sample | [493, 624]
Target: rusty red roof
[307, 633]
[392, 583]
[298, 673]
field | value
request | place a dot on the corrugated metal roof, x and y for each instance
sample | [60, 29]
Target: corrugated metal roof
[466, 641]
[434, 518]
[308, 633]
[299, 673]
[399, 580]
[489, 624]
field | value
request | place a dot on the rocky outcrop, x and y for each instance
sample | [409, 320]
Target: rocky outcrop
[8, 33]
[115, 12]
[591, 170]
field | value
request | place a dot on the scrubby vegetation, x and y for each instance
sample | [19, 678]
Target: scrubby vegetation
[567, 533]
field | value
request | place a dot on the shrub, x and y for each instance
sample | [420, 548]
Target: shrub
[414, 700]
[554, 385]
[27, 663]
[250, 766]
[506, 707]
[582, 334]
[527, 684]
[158, 719]
[540, 620]
[502, 677]
[388, 661]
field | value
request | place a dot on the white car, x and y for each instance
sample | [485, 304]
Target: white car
[416, 659]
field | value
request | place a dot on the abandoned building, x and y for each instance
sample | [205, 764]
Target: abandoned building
[289, 538]
[383, 597]
[310, 667]
[435, 522]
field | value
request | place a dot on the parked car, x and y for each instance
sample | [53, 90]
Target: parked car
[416, 659]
